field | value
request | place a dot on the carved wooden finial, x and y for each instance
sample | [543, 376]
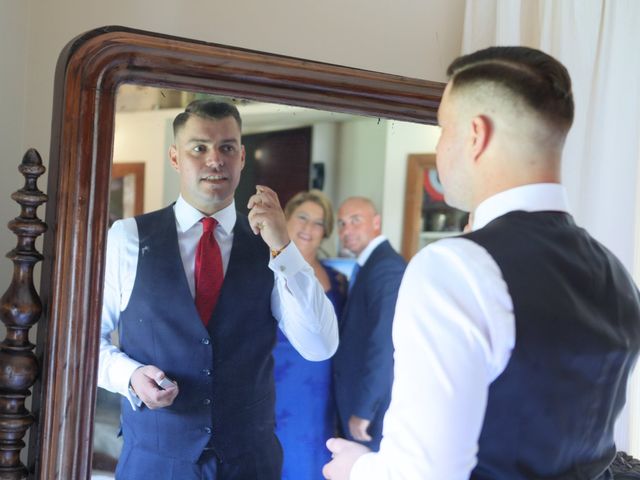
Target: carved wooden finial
[20, 309]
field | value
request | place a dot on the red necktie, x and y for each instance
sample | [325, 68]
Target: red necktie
[208, 271]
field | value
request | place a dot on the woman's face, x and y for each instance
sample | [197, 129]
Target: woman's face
[306, 227]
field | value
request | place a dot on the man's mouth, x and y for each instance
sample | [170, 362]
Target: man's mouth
[214, 178]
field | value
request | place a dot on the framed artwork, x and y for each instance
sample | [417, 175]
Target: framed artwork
[427, 217]
[127, 190]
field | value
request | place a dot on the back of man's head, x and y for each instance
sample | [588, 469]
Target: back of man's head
[208, 109]
[526, 78]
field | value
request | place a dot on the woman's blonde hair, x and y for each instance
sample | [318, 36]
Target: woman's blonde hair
[317, 197]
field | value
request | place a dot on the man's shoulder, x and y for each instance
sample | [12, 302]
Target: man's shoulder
[157, 215]
[385, 254]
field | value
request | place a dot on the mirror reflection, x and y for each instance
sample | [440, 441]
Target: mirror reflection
[290, 150]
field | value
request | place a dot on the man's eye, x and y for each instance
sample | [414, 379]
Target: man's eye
[200, 148]
[228, 148]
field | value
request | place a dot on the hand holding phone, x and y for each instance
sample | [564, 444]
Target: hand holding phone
[165, 383]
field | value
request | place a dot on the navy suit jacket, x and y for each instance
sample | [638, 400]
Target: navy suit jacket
[363, 364]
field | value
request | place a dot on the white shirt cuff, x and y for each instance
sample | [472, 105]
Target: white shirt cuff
[289, 262]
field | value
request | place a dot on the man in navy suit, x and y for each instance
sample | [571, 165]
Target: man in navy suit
[197, 381]
[363, 364]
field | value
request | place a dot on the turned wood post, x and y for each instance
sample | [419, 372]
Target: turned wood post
[20, 309]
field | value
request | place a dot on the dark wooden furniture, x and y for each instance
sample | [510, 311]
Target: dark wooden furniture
[20, 309]
[89, 71]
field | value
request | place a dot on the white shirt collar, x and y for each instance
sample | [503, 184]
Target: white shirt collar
[529, 198]
[366, 253]
[187, 215]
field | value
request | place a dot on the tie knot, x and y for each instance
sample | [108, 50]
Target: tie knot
[208, 224]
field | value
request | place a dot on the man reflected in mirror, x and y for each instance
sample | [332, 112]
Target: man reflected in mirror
[363, 364]
[196, 292]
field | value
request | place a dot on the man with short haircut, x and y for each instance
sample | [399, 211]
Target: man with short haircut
[196, 291]
[513, 342]
[363, 364]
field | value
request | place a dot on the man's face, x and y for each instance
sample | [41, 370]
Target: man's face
[358, 224]
[450, 153]
[209, 157]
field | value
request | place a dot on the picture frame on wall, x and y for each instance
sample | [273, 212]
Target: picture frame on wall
[127, 190]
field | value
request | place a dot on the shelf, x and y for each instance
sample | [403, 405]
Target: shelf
[425, 238]
[437, 235]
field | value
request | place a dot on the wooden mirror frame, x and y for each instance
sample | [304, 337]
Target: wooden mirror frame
[88, 73]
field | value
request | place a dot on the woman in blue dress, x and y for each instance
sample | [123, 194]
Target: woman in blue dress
[305, 412]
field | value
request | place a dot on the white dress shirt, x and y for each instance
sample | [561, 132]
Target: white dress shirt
[298, 302]
[453, 332]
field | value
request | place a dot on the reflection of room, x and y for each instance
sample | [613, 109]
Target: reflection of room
[359, 155]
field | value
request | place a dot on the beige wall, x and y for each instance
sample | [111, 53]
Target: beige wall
[416, 38]
[13, 64]
[402, 139]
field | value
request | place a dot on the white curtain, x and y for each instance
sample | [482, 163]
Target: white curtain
[599, 42]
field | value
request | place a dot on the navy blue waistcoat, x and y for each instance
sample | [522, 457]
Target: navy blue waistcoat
[225, 371]
[550, 414]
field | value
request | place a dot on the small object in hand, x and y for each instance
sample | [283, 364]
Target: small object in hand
[165, 383]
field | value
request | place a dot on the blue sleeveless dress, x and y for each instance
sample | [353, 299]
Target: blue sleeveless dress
[305, 411]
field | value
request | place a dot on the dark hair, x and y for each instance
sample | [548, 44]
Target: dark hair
[208, 109]
[538, 79]
[317, 197]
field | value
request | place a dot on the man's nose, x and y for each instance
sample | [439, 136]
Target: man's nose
[214, 159]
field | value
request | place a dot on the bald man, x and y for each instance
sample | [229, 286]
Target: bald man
[363, 364]
[514, 342]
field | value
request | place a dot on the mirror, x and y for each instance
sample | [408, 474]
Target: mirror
[352, 151]
[89, 72]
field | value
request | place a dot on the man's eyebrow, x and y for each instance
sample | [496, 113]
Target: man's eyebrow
[208, 140]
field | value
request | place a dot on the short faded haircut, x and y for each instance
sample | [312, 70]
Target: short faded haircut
[540, 81]
[208, 109]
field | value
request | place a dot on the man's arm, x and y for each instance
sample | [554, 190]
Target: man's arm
[117, 372]
[115, 367]
[453, 333]
[304, 313]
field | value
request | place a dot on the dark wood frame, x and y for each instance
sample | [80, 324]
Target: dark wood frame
[412, 226]
[88, 73]
[122, 169]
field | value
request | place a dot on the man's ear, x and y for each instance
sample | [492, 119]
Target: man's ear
[481, 135]
[173, 157]
[377, 223]
[243, 155]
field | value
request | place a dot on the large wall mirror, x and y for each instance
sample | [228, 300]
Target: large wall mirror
[90, 73]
